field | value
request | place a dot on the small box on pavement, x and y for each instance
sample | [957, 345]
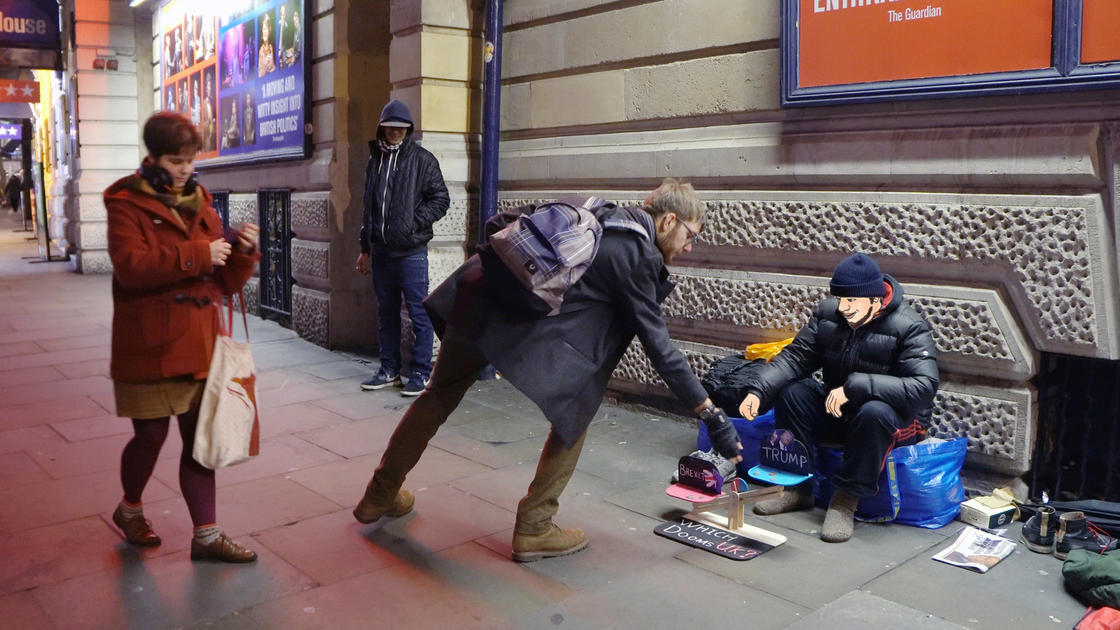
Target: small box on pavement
[987, 512]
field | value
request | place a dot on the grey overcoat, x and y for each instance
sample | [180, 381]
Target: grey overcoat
[563, 362]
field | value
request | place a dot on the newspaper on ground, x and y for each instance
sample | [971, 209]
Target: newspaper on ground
[976, 550]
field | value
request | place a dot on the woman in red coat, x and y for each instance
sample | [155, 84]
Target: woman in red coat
[171, 266]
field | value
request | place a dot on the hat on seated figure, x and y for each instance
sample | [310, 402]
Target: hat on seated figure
[857, 276]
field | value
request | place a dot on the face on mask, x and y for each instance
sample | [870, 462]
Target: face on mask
[859, 310]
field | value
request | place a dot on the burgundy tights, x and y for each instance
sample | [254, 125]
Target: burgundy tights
[139, 459]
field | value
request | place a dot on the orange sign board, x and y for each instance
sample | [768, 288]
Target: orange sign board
[859, 41]
[15, 91]
[1099, 31]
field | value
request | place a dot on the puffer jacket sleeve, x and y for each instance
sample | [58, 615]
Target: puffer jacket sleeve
[634, 281]
[433, 199]
[140, 261]
[913, 379]
[796, 361]
[367, 199]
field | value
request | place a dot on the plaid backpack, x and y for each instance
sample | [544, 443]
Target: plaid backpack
[535, 253]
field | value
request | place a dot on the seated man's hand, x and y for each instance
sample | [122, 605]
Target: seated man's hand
[724, 437]
[749, 407]
[836, 399]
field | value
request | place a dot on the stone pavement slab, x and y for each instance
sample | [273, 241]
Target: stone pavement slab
[19, 469]
[20, 610]
[858, 610]
[167, 591]
[279, 456]
[45, 555]
[362, 405]
[45, 503]
[492, 455]
[811, 572]
[1024, 591]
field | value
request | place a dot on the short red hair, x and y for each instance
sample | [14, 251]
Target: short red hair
[168, 133]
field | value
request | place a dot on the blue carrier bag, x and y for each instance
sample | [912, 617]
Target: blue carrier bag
[920, 484]
[750, 434]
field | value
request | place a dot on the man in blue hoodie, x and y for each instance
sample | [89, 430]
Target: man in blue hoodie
[879, 376]
[404, 195]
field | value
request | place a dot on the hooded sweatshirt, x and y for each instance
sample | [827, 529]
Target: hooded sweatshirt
[405, 192]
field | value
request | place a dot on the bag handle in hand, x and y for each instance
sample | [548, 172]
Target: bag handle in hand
[225, 325]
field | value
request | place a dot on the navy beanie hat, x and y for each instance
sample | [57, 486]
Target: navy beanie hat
[857, 276]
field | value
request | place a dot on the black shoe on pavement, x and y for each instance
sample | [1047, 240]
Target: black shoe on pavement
[414, 386]
[382, 378]
[1038, 531]
[1075, 531]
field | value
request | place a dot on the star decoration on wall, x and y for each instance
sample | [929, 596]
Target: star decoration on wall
[14, 91]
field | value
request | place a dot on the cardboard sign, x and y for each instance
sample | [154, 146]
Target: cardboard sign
[712, 539]
[700, 475]
[783, 460]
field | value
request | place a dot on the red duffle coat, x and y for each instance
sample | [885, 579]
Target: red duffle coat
[165, 289]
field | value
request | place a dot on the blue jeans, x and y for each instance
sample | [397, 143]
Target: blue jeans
[392, 278]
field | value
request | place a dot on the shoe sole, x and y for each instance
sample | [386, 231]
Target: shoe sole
[1035, 547]
[370, 388]
[408, 393]
[227, 561]
[533, 556]
[366, 521]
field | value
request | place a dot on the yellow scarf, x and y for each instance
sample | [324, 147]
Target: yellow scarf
[175, 200]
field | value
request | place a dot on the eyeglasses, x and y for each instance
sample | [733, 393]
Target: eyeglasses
[691, 235]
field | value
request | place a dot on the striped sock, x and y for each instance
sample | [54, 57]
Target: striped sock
[207, 534]
[130, 510]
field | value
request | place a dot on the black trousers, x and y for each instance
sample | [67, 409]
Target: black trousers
[866, 433]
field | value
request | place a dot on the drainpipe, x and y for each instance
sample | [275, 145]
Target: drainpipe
[491, 114]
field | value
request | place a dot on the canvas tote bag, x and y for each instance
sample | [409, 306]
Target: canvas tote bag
[228, 430]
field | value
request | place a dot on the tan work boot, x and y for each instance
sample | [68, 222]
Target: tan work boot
[796, 498]
[555, 542]
[839, 520]
[368, 512]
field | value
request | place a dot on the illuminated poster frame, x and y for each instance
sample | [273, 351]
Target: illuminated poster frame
[907, 49]
[240, 70]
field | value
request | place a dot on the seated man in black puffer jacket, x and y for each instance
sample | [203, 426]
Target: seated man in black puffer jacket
[879, 364]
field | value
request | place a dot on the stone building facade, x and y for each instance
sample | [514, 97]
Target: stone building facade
[997, 213]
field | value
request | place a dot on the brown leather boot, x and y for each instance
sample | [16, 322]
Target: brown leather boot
[368, 512]
[222, 549]
[137, 530]
[555, 542]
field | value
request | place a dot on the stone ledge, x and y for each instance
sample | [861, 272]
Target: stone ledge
[1052, 255]
[92, 261]
[311, 315]
[767, 154]
[974, 329]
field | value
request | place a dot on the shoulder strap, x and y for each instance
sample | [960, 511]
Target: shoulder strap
[630, 220]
